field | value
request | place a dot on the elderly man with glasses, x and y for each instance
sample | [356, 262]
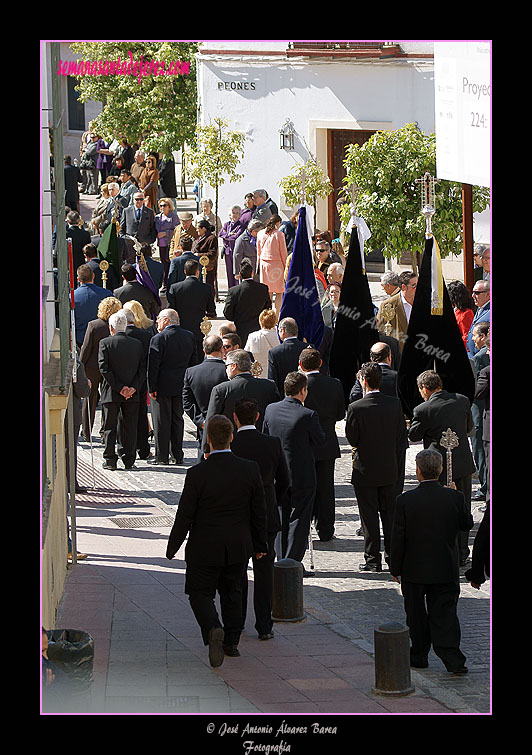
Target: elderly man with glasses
[138, 221]
[481, 297]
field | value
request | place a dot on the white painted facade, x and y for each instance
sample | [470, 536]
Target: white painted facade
[257, 87]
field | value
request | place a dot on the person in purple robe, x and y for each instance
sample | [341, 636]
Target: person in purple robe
[249, 209]
[231, 230]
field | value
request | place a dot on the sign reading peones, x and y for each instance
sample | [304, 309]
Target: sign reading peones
[236, 85]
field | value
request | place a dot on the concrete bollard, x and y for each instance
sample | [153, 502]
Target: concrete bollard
[392, 660]
[287, 604]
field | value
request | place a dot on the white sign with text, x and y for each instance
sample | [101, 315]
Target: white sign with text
[462, 84]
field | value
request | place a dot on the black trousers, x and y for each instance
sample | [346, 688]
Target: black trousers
[432, 620]
[201, 585]
[262, 589]
[128, 413]
[168, 426]
[375, 502]
[90, 403]
[324, 500]
[143, 429]
[296, 518]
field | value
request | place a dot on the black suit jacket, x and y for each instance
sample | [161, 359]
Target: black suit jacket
[144, 229]
[300, 432]
[197, 388]
[144, 337]
[192, 299]
[283, 359]
[243, 385]
[426, 522]
[222, 509]
[375, 428]
[135, 291]
[326, 398]
[388, 385]
[79, 237]
[268, 452]
[243, 305]
[171, 351]
[431, 418]
[120, 360]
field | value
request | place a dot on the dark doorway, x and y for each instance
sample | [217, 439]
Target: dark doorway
[337, 140]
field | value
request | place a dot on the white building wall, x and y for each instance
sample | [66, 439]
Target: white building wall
[258, 95]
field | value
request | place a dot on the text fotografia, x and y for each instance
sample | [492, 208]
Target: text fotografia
[127, 67]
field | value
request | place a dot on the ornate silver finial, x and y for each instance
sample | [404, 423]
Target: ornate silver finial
[449, 440]
[428, 200]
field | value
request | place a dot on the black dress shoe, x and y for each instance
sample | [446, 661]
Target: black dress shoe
[266, 636]
[419, 663]
[216, 650]
[179, 459]
[109, 465]
[459, 670]
[231, 650]
[158, 462]
[308, 573]
[370, 567]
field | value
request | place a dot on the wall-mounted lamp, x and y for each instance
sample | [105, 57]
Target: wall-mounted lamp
[286, 135]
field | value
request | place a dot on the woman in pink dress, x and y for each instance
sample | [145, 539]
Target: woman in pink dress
[271, 259]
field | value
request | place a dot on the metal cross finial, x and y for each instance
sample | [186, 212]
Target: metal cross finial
[354, 191]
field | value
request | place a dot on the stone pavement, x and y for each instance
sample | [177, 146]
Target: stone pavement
[149, 657]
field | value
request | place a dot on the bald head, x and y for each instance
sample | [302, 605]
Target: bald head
[381, 353]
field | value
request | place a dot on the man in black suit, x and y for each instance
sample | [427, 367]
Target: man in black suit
[381, 354]
[439, 411]
[326, 398]
[121, 362]
[240, 383]
[223, 511]
[171, 351]
[176, 273]
[192, 300]
[134, 290]
[72, 178]
[138, 221]
[143, 429]
[200, 380]
[424, 559]
[300, 432]
[266, 450]
[284, 358]
[245, 302]
[375, 428]
[79, 237]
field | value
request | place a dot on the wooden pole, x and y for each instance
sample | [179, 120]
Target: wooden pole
[467, 217]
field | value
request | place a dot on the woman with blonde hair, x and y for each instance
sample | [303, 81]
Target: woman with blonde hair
[96, 330]
[166, 221]
[142, 320]
[271, 258]
[261, 341]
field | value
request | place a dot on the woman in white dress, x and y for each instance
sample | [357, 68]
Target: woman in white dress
[261, 341]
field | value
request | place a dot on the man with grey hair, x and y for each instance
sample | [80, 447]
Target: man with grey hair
[121, 364]
[171, 351]
[481, 298]
[262, 211]
[390, 283]
[481, 258]
[424, 560]
[335, 273]
[241, 383]
[246, 246]
[284, 358]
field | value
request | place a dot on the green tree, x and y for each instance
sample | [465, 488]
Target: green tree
[147, 105]
[316, 184]
[216, 156]
[385, 169]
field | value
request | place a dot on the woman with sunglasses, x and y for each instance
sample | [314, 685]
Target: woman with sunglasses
[166, 222]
